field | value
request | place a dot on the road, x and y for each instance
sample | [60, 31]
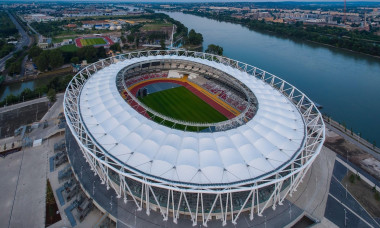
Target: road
[25, 40]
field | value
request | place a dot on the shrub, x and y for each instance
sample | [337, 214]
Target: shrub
[352, 178]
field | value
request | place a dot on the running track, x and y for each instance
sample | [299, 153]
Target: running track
[208, 100]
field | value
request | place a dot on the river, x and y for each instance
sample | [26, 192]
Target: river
[18, 87]
[347, 84]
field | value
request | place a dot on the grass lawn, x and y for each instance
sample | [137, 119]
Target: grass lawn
[69, 48]
[182, 104]
[92, 41]
[155, 27]
[60, 39]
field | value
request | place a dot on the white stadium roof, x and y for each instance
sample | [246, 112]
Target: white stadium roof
[269, 141]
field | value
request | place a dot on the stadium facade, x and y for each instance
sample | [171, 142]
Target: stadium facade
[198, 171]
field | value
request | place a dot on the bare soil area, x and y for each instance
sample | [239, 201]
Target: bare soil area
[355, 155]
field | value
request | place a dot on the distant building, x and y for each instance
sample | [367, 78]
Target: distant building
[39, 18]
[44, 42]
[95, 24]
[71, 26]
[67, 42]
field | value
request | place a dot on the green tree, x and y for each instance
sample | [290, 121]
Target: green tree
[214, 49]
[195, 38]
[162, 43]
[101, 53]
[15, 68]
[34, 51]
[55, 58]
[42, 61]
[115, 47]
[137, 41]
[130, 38]
[74, 60]
[123, 39]
[88, 53]
[352, 178]
[51, 95]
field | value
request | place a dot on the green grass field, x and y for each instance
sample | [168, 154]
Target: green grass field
[92, 41]
[182, 104]
[69, 48]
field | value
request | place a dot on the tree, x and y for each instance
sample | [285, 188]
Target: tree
[15, 68]
[74, 60]
[130, 38]
[115, 47]
[88, 53]
[42, 61]
[162, 43]
[34, 51]
[137, 41]
[214, 49]
[51, 95]
[195, 38]
[101, 53]
[55, 58]
[123, 39]
[352, 178]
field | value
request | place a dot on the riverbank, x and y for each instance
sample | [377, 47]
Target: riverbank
[341, 81]
[277, 31]
[59, 72]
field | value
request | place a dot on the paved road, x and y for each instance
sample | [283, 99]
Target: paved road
[342, 208]
[25, 40]
[31, 28]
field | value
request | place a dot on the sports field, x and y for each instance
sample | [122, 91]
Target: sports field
[181, 104]
[92, 41]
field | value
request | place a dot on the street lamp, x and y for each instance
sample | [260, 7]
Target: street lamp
[345, 217]
[346, 190]
[265, 222]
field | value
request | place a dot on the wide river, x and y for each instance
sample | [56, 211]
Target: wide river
[346, 84]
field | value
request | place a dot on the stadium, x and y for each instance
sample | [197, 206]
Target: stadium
[190, 135]
[96, 41]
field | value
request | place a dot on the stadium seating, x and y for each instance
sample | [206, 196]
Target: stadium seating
[226, 95]
[134, 80]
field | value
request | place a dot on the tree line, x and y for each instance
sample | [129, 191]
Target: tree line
[7, 28]
[55, 58]
[359, 41]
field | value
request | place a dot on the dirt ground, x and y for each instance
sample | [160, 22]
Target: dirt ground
[355, 155]
[364, 194]
[11, 120]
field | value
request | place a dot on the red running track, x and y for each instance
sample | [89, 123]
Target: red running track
[208, 100]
